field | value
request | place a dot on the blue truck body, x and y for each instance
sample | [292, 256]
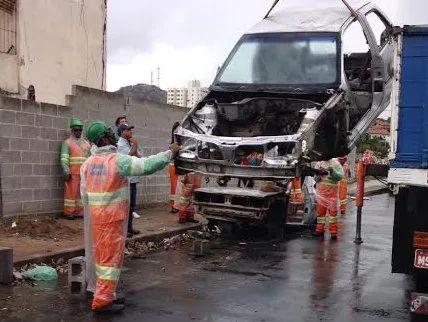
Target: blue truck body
[412, 129]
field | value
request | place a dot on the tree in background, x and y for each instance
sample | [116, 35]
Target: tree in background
[377, 144]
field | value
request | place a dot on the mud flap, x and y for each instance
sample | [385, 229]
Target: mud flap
[419, 303]
[276, 219]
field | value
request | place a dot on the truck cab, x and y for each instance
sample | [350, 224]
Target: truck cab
[289, 92]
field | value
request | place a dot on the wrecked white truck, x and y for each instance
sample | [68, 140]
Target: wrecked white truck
[289, 95]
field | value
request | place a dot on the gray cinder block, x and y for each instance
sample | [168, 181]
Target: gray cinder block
[6, 265]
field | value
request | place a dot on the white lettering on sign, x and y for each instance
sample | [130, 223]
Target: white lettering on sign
[421, 258]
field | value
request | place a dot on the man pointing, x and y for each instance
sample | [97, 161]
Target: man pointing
[105, 194]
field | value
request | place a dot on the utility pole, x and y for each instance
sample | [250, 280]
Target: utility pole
[158, 76]
[151, 77]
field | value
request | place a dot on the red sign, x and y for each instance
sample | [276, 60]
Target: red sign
[421, 258]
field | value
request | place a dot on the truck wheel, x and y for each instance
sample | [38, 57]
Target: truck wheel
[228, 230]
[276, 220]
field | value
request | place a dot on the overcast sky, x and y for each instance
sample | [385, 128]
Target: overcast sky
[188, 39]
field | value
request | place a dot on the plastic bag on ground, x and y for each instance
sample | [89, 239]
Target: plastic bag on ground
[41, 273]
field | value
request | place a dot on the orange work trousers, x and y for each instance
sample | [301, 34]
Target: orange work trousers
[109, 247]
[192, 181]
[296, 190]
[326, 201]
[187, 207]
[343, 195]
[173, 178]
[72, 200]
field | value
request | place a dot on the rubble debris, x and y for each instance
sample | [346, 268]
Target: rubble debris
[17, 275]
[139, 249]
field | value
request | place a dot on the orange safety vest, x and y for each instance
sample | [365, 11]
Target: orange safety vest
[77, 154]
[107, 191]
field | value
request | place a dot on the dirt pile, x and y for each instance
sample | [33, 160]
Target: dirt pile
[40, 229]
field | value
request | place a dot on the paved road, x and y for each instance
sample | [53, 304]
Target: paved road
[301, 279]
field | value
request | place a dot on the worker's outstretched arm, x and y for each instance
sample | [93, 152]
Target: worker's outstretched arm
[129, 166]
[65, 158]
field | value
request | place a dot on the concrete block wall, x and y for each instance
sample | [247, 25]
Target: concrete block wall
[31, 178]
[152, 121]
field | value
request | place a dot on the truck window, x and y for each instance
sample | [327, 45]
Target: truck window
[378, 27]
[356, 58]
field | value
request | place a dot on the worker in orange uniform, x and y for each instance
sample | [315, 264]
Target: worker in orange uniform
[173, 180]
[186, 212]
[295, 196]
[327, 195]
[343, 185]
[173, 177]
[106, 194]
[74, 152]
[296, 191]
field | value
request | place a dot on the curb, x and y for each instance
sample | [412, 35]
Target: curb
[372, 192]
[68, 253]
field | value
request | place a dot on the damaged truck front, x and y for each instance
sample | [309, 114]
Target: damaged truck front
[289, 94]
[286, 96]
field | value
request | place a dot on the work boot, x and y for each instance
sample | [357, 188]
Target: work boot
[134, 231]
[342, 212]
[181, 221]
[129, 235]
[119, 300]
[193, 220]
[111, 308]
[70, 217]
[174, 211]
[318, 234]
[333, 237]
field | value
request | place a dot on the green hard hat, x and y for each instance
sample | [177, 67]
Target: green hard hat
[96, 130]
[75, 122]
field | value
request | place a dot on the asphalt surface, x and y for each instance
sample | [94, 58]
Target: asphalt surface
[300, 279]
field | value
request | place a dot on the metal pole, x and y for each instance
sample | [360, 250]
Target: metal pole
[271, 8]
[361, 173]
[354, 13]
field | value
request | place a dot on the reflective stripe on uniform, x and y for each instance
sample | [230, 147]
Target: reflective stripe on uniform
[328, 182]
[69, 202]
[77, 160]
[171, 197]
[332, 219]
[297, 190]
[185, 199]
[107, 273]
[105, 198]
[321, 220]
[343, 202]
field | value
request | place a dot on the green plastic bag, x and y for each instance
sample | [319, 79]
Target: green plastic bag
[41, 273]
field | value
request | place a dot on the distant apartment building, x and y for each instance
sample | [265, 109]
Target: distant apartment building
[52, 45]
[187, 96]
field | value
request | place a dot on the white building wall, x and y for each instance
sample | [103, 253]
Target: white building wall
[59, 43]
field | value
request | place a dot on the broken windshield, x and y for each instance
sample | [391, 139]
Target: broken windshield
[282, 59]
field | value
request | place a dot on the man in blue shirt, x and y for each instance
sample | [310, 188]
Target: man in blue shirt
[128, 145]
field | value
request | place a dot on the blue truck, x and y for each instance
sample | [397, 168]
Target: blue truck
[408, 173]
